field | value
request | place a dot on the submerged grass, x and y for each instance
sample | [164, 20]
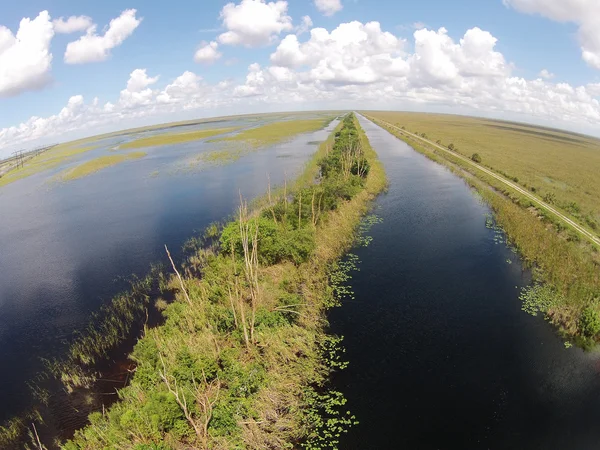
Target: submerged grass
[243, 358]
[566, 271]
[174, 138]
[274, 133]
[97, 164]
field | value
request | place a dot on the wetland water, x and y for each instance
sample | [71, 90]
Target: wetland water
[65, 245]
[441, 355]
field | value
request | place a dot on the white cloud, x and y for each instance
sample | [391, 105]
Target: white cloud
[72, 24]
[351, 53]
[136, 102]
[418, 25]
[305, 26]
[138, 93]
[94, 48]
[584, 13]
[353, 66]
[328, 7]
[254, 23]
[25, 58]
[208, 53]
[139, 80]
[546, 74]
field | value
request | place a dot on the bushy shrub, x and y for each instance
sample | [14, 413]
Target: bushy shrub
[589, 322]
[276, 242]
[476, 158]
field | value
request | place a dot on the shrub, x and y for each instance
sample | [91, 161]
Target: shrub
[451, 146]
[476, 158]
[589, 322]
[276, 242]
[550, 197]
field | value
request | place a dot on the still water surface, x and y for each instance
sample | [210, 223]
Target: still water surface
[65, 246]
[441, 355]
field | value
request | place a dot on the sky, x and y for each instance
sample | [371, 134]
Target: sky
[70, 69]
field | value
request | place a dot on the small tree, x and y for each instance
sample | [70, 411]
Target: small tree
[476, 158]
[451, 146]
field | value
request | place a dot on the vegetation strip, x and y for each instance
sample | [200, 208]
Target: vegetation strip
[243, 358]
[566, 274]
[97, 164]
[174, 138]
[539, 202]
[273, 133]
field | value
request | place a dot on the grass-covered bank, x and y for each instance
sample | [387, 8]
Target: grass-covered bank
[566, 271]
[243, 357]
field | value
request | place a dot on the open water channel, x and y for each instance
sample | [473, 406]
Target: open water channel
[441, 355]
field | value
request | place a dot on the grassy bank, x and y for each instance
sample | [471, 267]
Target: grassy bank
[97, 164]
[558, 166]
[243, 358]
[274, 133]
[174, 138]
[566, 271]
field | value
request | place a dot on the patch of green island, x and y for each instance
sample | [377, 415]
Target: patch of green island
[243, 357]
[97, 164]
[565, 267]
[274, 133]
[252, 139]
[174, 138]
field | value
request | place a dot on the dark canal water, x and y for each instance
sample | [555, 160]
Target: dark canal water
[65, 247]
[441, 355]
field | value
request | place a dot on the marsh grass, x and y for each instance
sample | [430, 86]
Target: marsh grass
[243, 358]
[566, 271]
[174, 138]
[97, 164]
[274, 133]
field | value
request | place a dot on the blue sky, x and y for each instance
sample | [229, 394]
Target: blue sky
[530, 35]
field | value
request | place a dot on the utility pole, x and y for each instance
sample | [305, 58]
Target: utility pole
[19, 158]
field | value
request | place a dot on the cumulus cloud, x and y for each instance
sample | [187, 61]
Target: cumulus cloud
[351, 53]
[360, 63]
[72, 24]
[138, 93]
[137, 100]
[305, 26]
[207, 53]
[94, 48]
[254, 23]
[25, 58]
[584, 13]
[354, 65]
[328, 7]
[546, 74]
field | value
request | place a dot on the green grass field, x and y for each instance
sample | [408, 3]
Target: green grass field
[274, 133]
[174, 138]
[559, 167]
[96, 164]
